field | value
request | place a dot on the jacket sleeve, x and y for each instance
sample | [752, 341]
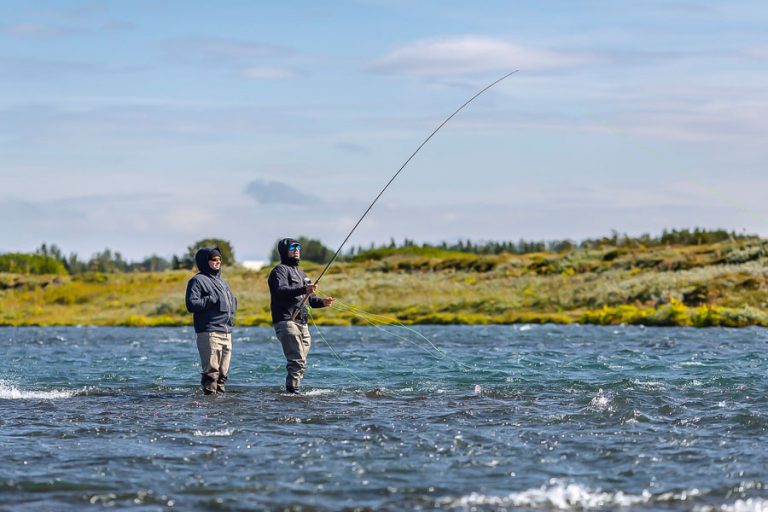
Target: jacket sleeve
[315, 301]
[196, 302]
[280, 287]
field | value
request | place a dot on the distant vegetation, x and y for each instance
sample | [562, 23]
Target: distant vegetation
[188, 260]
[697, 236]
[18, 263]
[680, 278]
[311, 250]
[106, 261]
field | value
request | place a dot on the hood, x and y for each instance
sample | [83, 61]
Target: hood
[282, 249]
[201, 259]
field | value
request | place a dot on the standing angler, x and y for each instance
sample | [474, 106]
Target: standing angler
[288, 286]
[213, 307]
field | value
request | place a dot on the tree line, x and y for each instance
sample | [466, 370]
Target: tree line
[697, 236]
[50, 259]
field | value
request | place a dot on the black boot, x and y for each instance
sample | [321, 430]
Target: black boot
[209, 384]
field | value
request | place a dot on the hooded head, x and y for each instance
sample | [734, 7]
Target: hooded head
[282, 249]
[203, 256]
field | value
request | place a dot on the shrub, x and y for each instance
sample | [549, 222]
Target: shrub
[20, 263]
[748, 253]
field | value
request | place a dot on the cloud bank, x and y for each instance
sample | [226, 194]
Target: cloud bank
[474, 54]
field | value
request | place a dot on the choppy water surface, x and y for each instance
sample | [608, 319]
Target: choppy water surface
[525, 417]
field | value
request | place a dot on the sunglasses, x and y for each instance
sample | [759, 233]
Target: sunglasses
[294, 247]
[216, 259]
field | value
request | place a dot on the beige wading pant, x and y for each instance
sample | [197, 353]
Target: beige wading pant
[215, 350]
[295, 339]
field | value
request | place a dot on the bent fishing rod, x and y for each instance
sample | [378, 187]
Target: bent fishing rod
[338, 251]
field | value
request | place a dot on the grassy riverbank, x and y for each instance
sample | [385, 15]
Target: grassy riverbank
[723, 284]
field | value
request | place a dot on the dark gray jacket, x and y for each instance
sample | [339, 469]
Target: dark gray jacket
[287, 287]
[209, 298]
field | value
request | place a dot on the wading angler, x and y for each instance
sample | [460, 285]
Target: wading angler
[290, 289]
[213, 307]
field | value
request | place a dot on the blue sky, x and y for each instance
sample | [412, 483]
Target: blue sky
[143, 126]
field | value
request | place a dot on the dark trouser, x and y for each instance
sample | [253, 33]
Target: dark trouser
[295, 340]
[215, 350]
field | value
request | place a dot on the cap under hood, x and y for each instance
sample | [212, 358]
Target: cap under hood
[201, 260]
[282, 249]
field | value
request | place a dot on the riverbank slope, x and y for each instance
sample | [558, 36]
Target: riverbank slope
[722, 284]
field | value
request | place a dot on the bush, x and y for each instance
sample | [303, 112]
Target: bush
[19, 263]
[748, 253]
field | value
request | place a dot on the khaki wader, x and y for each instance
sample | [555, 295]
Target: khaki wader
[295, 340]
[215, 350]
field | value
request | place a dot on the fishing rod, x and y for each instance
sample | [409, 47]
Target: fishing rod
[338, 251]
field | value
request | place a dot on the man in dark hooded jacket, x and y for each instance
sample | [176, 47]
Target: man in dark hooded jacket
[288, 286]
[213, 307]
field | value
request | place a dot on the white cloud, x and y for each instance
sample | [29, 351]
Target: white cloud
[222, 51]
[37, 30]
[472, 54]
[758, 52]
[36, 69]
[248, 59]
[270, 73]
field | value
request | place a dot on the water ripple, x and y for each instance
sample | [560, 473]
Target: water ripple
[551, 418]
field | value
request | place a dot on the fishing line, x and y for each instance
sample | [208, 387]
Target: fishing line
[362, 383]
[378, 326]
[379, 320]
[373, 318]
[336, 355]
[338, 251]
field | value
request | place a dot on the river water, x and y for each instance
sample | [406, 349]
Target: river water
[440, 418]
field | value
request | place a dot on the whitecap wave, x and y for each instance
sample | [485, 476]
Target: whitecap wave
[10, 392]
[226, 432]
[559, 496]
[601, 401]
[317, 392]
[651, 385]
[748, 505]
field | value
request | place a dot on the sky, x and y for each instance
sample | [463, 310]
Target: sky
[145, 126]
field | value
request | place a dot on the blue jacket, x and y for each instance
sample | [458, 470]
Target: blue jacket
[287, 287]
[209, 298]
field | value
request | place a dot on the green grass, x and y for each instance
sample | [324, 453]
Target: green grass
[723, 284]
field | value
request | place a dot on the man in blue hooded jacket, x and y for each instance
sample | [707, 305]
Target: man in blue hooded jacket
[288, 285]
[213, 307]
